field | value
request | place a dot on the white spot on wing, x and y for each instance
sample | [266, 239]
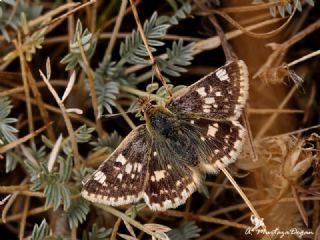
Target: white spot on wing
[121, 159]
[120, 176]
[159, 174]
[128, 168]
[209, 100]
[139, 167]
[212, 131]
[222, 75]
[100, 177]
[202, 92]
[192, 121]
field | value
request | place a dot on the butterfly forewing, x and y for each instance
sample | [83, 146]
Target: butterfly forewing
[120, 179]
[221, 95]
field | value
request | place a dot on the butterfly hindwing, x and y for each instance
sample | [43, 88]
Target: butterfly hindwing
[221, 95]
[220, 141]
[168, 185]
[121, 178]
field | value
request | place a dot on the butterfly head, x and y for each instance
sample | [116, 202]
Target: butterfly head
[144, 104]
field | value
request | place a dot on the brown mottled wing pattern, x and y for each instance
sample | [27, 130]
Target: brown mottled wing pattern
[169, 186]
[221, 95]
[164, 163]
[134, 172]
[220, 141]
[121, 178]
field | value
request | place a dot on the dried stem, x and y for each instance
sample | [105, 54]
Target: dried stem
[25, 82]
[116, 27]
[152, 59]
[41, 105]
[304, 58]
[9, 203]
[115, 229]
[241, 193]
[252, 34]
[63, 16]
[67, 120]
[12, 145]
[249, 8]
[31, 212]
[273, 117]
[24, 217]
[74, 233]
[94, 99]
[133, 222]
[70, 23]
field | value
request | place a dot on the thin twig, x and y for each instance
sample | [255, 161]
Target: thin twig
[249, 8]
[304, 58]
[8, 205]
[12, 145]
[66, 118]
[133, 222]
[115, 229]
[63, 16]
[51, 108]
[94, 99]
[241, 193]
[40, 104]
[273, 117]
[116, 28]
[247, 125]
[34, 211]
[294, 132]
[114, 19]
[269, 111]
[24, 217]
[252, 34]
[73, 233]
[228, 52]
[93, 17]
[152, 59]
[70, 23]
[34, 22]
[18, 45]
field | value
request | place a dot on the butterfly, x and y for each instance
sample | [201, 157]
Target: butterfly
[164, 160]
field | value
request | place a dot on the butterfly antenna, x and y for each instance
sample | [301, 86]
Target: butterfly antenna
[115, 114]
[152, 80]
[222, 167]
